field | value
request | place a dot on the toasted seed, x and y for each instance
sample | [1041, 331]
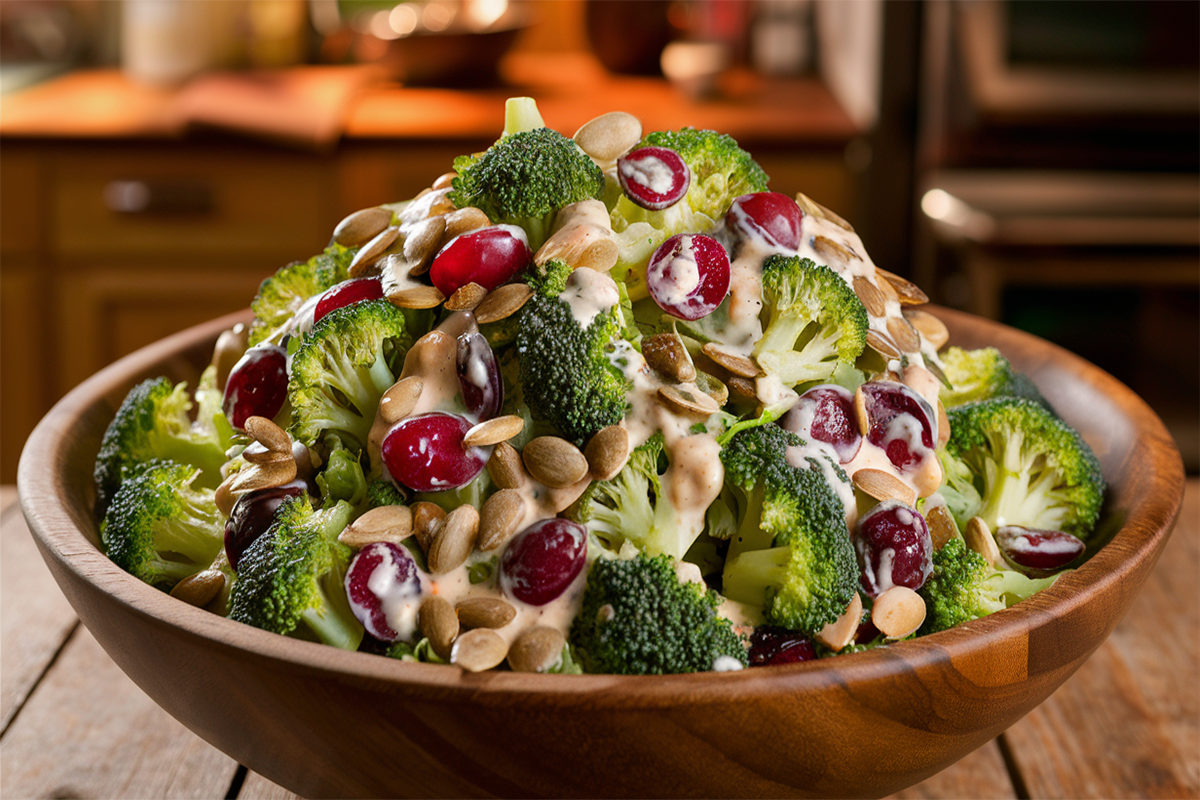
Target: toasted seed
[880, 343]
[685, 401]
[606, 452]
[444, 180]
[422, 244]
[417, 297]
[438, 622]
[499, 519]
[860, 412]
[255, 453]
[810, 206]
[372, 251]
[665, 353]
[478, 650]
[736, 363]
[904, 334]
[744, 388]
[231, 346]
[494, 431]
[872, 299]
[441, 204]
[943, 424]
[898, 612]
[883, 486]
[465, 298]
[265, 476]
[426, 519]
[609, 136]
[929, 326]
[505, 467]
[269, 434]
[979, 538]
[554, 461]
[933, 367]
[502, 302]
[536, 649]
[453, 540]
[362, 226]
[484, 612]
[462, 221]
[942, 527]
[910, 294]
[712, 387]
[840, 632]
[199, 589]
[224, 496]
[833, 251]
[382, 524]
[400, 400]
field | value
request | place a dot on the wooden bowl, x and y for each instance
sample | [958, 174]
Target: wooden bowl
[325, 723]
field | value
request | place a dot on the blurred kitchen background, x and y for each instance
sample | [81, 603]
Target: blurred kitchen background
[1034, 162]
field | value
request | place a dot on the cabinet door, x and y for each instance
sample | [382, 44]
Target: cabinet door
[25, 353]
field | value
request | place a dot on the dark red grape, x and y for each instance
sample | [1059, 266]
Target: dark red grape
[901, 422]
[347, 292]
[1037, 551]
[894, 548]
[426, 453]
[771, 645]
[832, 413]
[770, 216]
[688, 275]
[383, 578]
[487, 256]
[541, 561]
[257, 385]
[653, 177]
[252, 515]
[479, 376]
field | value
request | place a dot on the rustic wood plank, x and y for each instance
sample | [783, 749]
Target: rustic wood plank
[89, 731]
[980, 774]
[1131, 714]
[35, 618]
[256, 787]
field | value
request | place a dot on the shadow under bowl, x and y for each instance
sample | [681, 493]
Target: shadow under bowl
[324, 723]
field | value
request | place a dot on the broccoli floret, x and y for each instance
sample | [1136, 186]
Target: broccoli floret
[632, 507]
[638, 618]
[153, 422]
[791, 554]
[565, 373]
[1030, 467]
[958, 489]
[160, 528]
[382, 492]
[341, 478]
[963, 587]
[721, 172]
[981, 375]
[340, 371]
[549, 279]
[291, 578]
[281, 295]
[812, 321]
[525, 178]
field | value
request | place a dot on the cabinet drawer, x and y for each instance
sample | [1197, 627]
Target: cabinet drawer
[190, 203]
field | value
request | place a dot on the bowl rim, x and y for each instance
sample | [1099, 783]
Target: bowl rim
[1148, 521]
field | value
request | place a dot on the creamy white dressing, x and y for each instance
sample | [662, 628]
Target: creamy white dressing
[399, 600]
[649, 172]
[589, 294]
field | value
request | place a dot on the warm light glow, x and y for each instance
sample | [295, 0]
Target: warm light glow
[941, 205]
[482, 14]
[403, 20]
[437, 17]
[380, 27]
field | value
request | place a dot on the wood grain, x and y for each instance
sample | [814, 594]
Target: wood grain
[256, 787]
[90, 732]
[979, 774]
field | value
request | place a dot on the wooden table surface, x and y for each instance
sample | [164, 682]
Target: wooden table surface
[1127, 724]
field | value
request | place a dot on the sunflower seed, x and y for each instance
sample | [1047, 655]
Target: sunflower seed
[382, 524]
[224, 496]
[536, 649]
[872, 299]
[929, 326]
[462, 221]
[422, 245]
[372, 251]
[883, 486]
[942, 527]
[453, 540]
[478, 650]
[555, 462]
[362, 226]
[712, 387]
[484, 612]
[833, 251]
[665, 353]
[494, 431]
[909, 293]
[264, 476]
[199, 589]
[400, 400]
[255, 453]
[269, 435]
[609, 136]
[466, 298]
[606, 452]
[898, 612]
[417, 297]
[904, 334]
[861, 417]
[736, 363]
[839, 633]
[505, 467]
[426, 519]
[499, 518]
[444, 180]
[502, 302]
[231, 346]
[882, 344]
[979, 538]
[438, 623]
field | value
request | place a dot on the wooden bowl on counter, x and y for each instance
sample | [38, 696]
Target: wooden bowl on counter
[324, 722]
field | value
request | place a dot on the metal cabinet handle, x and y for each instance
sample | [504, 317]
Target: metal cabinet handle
[158, 197]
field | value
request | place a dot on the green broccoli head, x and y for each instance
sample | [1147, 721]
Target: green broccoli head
[525, 178]
[958, 489]
[565, 373]
[791, 553]
[981, 375]
[291, 578]
[153, 422]
[341, 477]
[721, 172]
[281, 295]
[963, 587]
[1030, 467]
[812, 321]
[638, 618]
[161, 529]
[382, 492]
[340, 371]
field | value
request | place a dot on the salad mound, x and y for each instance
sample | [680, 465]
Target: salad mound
[596, 404]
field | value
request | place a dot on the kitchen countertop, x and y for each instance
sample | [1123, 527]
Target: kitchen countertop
[1127, 724]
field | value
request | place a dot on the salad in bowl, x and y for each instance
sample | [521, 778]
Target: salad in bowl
[600, 404]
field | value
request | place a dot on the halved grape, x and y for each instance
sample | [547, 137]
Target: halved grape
[487, 256]
[384, 589]
[688, 275]
[832, 413]
[256, 386]
[252, 515]
[901, 422]
[653, 177]
[541, 561]
[771, 645]
[347, 292]
[773, 217]
[426, 453]
[1037, 551]
[479, 376]
[894, 548]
